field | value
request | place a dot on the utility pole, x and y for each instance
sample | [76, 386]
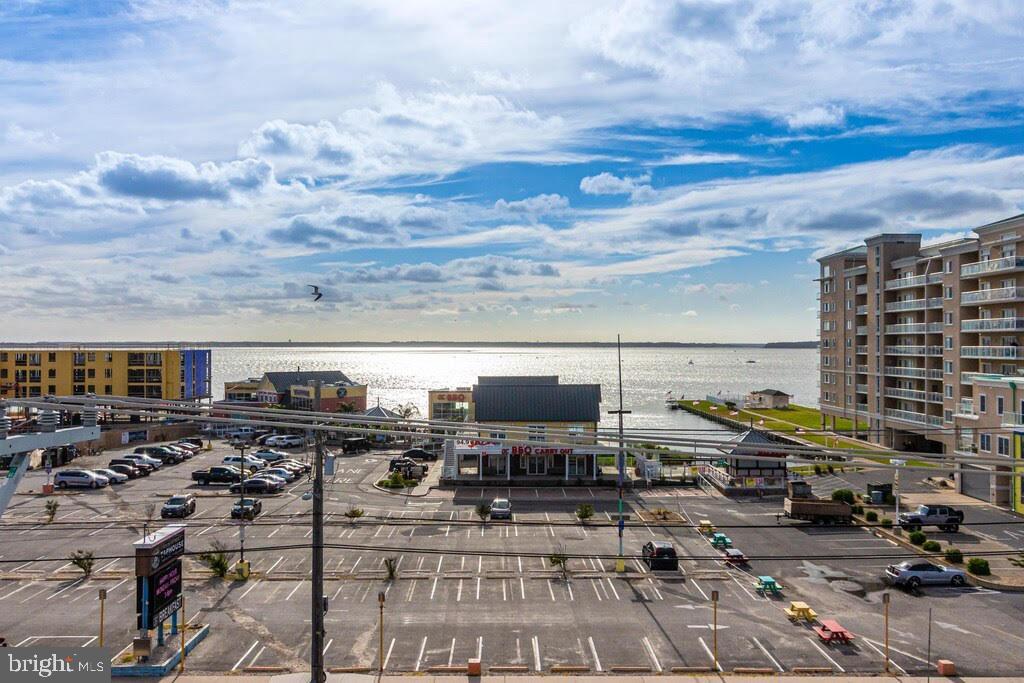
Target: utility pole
[620, 459]
[714, 627]
[316, 652]
[241, 499]
[885, 606]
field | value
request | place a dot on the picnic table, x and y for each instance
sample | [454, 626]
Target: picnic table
[800, 610]
[831, 631]
[734, 556]
[706, 527]
[767, 584]
[720, 540]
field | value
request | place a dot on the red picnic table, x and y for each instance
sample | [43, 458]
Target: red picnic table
[831, 631]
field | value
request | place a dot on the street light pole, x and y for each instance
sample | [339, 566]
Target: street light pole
[885, 607]
[714, 627]
[620, 459]
[380, 655]
[316, 653]
[241, 499]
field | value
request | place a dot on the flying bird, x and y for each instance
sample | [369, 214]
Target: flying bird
[317, 294]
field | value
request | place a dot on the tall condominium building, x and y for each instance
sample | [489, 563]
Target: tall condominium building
[923, 344]
[170, 373]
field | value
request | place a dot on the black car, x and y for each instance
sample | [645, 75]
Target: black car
[419, 454]
[660, 555]
[130, 471]
[194, 440]
[247, 508]
[253, 486]
[218, 474]
[179, 506]
[398, 464]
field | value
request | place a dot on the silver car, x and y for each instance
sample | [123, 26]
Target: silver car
[114, 477]
[915, 574]
[501, 508]
[79, 479]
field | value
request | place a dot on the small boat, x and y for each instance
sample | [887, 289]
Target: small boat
[751, 361]
[691, 362]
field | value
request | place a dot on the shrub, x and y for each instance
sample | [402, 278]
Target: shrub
[84, 560]
[858, 510]
[559, 559]
[354, 513]
[817, 469]
[844, 495]
[51, 510]
[954, 556]
[886, 522]
[871, 516]
[931, 546]
[216, 559]
[584, 511]
[483, 510]
[978, 566]
[890, 499]
[391, 565]
[917, 537]
[831, 470]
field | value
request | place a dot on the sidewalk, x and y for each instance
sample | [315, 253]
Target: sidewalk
[534, 678]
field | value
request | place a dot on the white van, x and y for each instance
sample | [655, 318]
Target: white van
[251, 464]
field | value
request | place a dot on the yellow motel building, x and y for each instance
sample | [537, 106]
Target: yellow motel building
[167, 373]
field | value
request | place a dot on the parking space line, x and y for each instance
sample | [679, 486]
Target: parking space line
[451, 652]
[650, 653]
[34, 595]
[66, 588]
[419, 658]
[826, 655]
[593, 653]
[699, 589]
[93, 533]
[536, 654]
[478, 588]
[242, 658]
[522, 587]
[768, 655]
[247, 590]
[458, 596]
[18, 590]
[905, 654]
[700, 639]
[551, 590]
[612, 586]
[111, 590]
[655, 588]
[593, 583]
[387, 657]
[872, 646]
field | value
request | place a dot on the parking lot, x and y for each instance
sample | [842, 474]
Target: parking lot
[466, 588]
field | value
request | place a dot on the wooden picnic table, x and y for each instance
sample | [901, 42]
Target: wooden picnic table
[800, 610]
[831, 631]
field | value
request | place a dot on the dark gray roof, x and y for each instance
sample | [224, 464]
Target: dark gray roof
[518, 379]
[379, 411]
[537, 402]
[283, 380]
[744, 443]
[772, 392]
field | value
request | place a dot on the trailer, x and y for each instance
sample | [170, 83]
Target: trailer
[802, 504]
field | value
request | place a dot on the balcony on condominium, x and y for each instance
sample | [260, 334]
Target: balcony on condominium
[862, 369]
[862, 289]
[913, 394]
[914, 304]
[862, 309]
[862, 330]
[914, 281]
[918, 418]
[862, 388]
[922, 373]
[965, 408]
[992, 295]
[913, 328]
[996, 265]
[1012, 420]
[992, 325]
[913, 350]
[990, 352]
[969, 377]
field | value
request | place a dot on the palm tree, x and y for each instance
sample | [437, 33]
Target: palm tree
[407, 411]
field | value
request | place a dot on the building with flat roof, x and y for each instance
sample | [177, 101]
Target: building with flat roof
[923, 343]
[242, 389]
[168, 373]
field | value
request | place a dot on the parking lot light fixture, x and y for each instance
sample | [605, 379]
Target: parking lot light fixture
[241, 500]
[885, 608]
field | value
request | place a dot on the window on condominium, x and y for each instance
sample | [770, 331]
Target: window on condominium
[949, 318]
[985, 443]
[949, 266]
[949, 391]
[947, 367]
[949, 293]
[947, 416]
[1003, 445]
[51, 357]
[982, 403]
[999, 405]
[826, 286]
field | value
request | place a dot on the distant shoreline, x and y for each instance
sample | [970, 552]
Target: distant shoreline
[414, 344]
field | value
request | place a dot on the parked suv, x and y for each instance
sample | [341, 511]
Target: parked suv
[164, 455]
[286, 441]
[156, 463]
[252, 464]
[914, 574]
[143, 467]
[660, 555]
[181, 505]
[79, 479]
[942, 516]
[218, 474]
[247, 508]
[501, 508]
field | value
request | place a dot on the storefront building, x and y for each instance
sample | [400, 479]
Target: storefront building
[490, 461]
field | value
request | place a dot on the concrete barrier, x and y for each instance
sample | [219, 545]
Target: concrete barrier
[473, 666]
[570, 669]
[630, 669]
[753, 671]
[350, 669]
[812, 670]
[691, 670]
[508, 669]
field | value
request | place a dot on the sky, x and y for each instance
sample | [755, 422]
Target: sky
[670, 171]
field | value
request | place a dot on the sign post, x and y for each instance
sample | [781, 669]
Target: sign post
[103, 599]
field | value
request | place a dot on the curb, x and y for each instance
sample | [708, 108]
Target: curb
[881, 532]
[395, 492]
[160, 670]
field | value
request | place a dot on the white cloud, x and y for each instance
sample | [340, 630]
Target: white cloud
[539, 205]
[637, 187]
[30, 138]
[816, 117]
[690, 313]
[700, 158]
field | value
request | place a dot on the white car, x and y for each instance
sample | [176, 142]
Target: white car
[286, 441]
[268, 454]
[252, 464]
[276, 478]
[114, 477]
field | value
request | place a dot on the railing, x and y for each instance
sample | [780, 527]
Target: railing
[862, 369]
[969, 377]
[996, 265]
[965, 408]
[999, 294]
[862, 407]
[862, 309]
[914, 304]
[862, 289]
[967, 448]
[991, 324]
[862, 388]
[856, 270]
[862, 349]
[990, 352]
[913, 350]
[1012, 419]
[862, 329]
[913, 394]
[913, 328]
[923, 373]
[913, 281]
[908, 416]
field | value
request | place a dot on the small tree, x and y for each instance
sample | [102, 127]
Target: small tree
[216, 558]
[84, 560]
[354, 513]
[391, 565]
[51, 510]
[978, 566]
[954, 555]
[931, 546]
[483, 510]
[886, 522]
[559, 559]
[917, 537]
[584, 511]
[871, 516]
[843, 495]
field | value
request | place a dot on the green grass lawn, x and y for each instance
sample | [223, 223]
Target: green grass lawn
[805, 417]
[784, 420]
